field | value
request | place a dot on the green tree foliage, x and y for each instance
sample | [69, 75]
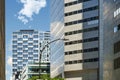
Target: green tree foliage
[33, 78]
[44, 77]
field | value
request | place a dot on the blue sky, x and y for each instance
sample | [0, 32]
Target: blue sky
[24, 14]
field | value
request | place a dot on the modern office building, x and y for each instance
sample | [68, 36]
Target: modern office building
[80, 23]
[32, 69]
[26, 45]
[111, 40]
[2, 40]
[93, 49]
[82, 29]
[57, 31]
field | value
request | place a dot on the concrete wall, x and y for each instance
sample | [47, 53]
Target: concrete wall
[81, 70]
[2, 40]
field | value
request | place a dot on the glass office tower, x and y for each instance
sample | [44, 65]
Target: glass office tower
[57, 27]
[79, 21]
[2, 40]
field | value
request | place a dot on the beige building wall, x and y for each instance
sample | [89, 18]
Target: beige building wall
[2, 40]
[82, 75]
[78, 64]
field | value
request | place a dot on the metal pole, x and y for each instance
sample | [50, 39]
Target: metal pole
[40, 63]
[40, 54]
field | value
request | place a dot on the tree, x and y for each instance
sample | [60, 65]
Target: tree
[33, 78]
[44, 77]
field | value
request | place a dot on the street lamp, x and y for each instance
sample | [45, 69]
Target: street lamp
[41, 51]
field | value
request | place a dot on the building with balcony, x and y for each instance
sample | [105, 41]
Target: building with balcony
[2, 40]
[26, 46]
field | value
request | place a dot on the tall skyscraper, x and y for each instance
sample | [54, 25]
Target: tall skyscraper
[92, 27]
[57, 31]
[110, 40]
[2, 40]
[82, 29]
[26, 48]
[81, 53]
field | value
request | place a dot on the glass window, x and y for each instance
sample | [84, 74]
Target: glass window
[19, 39]
[30, 39]
[15, 36]
[25, 36]
[30, 44]
[36, 51]
[14, 46]
[35, 41]
[14, 60]
[35, 46]
[19, 44]
[35, 36]
[116, 28]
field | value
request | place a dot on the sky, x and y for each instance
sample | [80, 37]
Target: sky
[24, 14]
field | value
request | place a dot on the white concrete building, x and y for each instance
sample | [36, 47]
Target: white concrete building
[26, 46]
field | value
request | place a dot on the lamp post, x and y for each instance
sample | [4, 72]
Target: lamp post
[41, 51]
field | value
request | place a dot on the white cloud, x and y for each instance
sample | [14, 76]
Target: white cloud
[30, 7]
[9, 60]
[23, 19]
[11, 78]
[7, 72]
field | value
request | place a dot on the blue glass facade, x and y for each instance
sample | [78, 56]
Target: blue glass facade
[57, 48]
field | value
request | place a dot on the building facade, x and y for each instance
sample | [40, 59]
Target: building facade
[57, 31]
[111, 39]
[2, 40]
[116, 25]
[82, 29]
[26, 46]
[32, 69]
[93, 49]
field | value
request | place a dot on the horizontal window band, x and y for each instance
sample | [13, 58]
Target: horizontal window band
[81, 21]
[82, 41]
[82, 51]
[83, 10]
[81, 31]
[75, 2]
[82, 61]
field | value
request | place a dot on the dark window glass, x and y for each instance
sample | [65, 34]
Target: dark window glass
[82, 61]
[83, 20]
[81, 51]
[117, 63]
[75, 2]
[80, 31]
[117, 47]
